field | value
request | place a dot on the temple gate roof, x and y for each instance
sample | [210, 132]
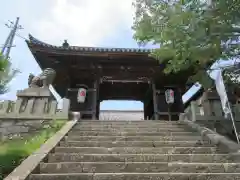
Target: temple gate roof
[74, 64]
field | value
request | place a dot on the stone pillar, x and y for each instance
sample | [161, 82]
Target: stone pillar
[236, 111]
[33, 102]
[217, 108]
[65, 109]
[205, 104]
[193, 110]
[182, 116]
[53, 108]
[5, 107]
[18, 105]
[30, 105]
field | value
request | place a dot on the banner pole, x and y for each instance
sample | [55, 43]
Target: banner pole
[233, 122]
[220, 86]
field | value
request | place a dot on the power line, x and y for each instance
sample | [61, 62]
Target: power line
[20, 36]
[8, 26]
[11, 24]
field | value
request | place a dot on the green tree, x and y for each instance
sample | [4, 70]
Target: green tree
[6, 74]
[232, 77]
[190, 33]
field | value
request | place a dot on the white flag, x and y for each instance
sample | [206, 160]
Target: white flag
[222, 92]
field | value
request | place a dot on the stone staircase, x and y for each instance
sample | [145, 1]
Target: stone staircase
[136, 150]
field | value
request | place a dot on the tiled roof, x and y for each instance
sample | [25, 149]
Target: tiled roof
[33, 40]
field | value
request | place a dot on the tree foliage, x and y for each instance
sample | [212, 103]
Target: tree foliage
[232, 78]
[6, 74]
[190, 33]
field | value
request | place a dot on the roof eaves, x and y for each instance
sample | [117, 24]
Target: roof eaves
[33, 40]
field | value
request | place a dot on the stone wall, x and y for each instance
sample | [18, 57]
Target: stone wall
[11, 128]
[207, 111]
[34, 110]
[34, 103]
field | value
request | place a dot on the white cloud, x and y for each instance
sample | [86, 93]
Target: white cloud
[85, 22]
[82, 22]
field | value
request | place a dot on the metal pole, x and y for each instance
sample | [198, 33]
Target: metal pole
[233, 122]
[232, 118]
[13, 32]
[6, 42]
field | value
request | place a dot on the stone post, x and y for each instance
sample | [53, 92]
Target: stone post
[182, 116]
[237, 111]
[37, 100]
[65, 109]
[205, 104]
[5, 107]
[193, 110]
[53, 108]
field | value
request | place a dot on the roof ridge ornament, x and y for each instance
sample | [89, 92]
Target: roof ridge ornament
[65, 44]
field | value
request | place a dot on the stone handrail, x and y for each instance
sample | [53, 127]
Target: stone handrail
[33, 108]
[216, 139]
[209, 114]
[197, 111]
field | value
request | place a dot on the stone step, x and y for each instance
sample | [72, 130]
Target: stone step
[77, 157]
[148, 129]
[132, 143]
[132, 138]
[128, 125]
[119, 133]
[137, 150]
[137, 176]
[138, 167]
[129, 122]
[130, 130]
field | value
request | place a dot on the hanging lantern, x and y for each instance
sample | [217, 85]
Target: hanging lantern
[81, 96]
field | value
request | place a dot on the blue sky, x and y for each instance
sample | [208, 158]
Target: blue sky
[104, 23]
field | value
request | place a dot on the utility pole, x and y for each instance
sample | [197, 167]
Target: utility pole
[9, 41]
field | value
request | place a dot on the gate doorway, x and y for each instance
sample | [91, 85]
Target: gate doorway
[121, 110]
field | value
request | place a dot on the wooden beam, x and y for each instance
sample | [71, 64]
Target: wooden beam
[154, 100]
[94, 99]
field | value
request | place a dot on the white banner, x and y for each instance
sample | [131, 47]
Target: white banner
[222, 92]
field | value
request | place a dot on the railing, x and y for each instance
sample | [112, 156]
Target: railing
[32, 108]
[208, 113]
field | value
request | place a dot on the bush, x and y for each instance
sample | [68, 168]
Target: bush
[13, 152]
